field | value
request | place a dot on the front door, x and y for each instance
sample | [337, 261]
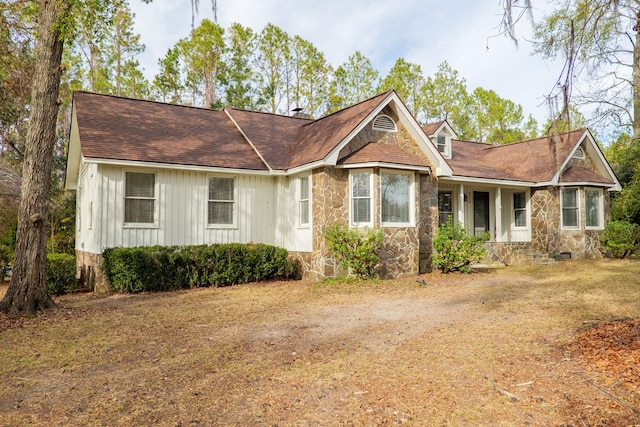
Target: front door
[480, 212]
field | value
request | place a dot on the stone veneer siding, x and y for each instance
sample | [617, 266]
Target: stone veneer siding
[90, 272]
[407, 250]
[547, 235]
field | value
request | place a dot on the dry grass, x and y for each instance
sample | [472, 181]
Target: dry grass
[483, 349]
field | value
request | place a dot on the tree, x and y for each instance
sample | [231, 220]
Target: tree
[272, 66]
[446, 97]
[27, 290]
[598, 39]
[310, 74]
[16, 67]
[495, 119]
[201, 55]
[353, 82]
[167, 84]
[407, 80]
[122, 46]
[238, 90]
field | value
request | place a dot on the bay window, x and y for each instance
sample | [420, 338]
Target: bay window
[593, 208]
[570, 208]
[361, 198]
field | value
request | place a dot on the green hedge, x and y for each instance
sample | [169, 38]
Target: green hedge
[162, 268]
[621, 238]
[61, 273]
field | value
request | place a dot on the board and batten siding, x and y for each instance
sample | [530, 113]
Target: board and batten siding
[290, 234]
[264, 211]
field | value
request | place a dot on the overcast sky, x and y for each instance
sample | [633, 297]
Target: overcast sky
[425, 32]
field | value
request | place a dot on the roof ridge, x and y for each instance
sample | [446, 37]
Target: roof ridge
[580, 130]
[268, 113]
[150, 101]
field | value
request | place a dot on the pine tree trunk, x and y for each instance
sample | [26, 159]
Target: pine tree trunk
[27, 291]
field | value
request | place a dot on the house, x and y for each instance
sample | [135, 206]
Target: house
[148, 173]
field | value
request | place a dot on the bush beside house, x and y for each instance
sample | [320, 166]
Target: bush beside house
[455, 249]
[61, 273]
[162, 268]
[355, 250]
[621, 239]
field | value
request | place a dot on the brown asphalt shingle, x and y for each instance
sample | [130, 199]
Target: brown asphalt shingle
[316, 139]
[272, 135]
[127, 129]
[374, 152]
[535, 160]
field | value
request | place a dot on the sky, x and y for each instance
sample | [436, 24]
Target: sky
[426, 32]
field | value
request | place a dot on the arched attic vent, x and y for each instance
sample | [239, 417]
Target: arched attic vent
[384, 123]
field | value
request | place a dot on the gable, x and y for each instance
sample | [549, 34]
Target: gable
[349, 124]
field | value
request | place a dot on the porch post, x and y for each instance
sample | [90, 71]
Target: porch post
[461, 206]
[498, 219]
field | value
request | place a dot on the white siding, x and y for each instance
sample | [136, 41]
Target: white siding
[87, 205]
[289, 233]
[262, 208]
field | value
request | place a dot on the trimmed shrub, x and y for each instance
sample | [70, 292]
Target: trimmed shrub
[156, 268]
[455, 249]
[61, 273]
[621, 238]
[355, 250]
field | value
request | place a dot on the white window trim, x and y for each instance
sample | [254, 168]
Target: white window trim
[371, 196]
[600, 225]
[156, 188]
[304, 225]
[578, 213]
[411, 222]
[447, 144]
[526, 211]
[234, 223]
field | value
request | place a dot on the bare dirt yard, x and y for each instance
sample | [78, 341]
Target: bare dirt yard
[519, 346]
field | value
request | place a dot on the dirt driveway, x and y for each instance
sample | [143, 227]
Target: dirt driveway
[493, 348]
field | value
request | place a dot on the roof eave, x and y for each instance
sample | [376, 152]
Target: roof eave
[156, 165]
[387, 165]
[496, 182]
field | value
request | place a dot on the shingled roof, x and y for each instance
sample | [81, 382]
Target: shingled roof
[533, 161]
[114, 128]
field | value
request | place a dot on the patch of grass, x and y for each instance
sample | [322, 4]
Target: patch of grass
[449, 351]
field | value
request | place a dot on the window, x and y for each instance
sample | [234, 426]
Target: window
[445, 207]
[139, 198]
[442, 144]
[384, 123]
[304, 200]
[395, 191]
[579, 153]
[520, 209]
[361, 198]
[570, 209]
[221, 201]
[593, 207]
